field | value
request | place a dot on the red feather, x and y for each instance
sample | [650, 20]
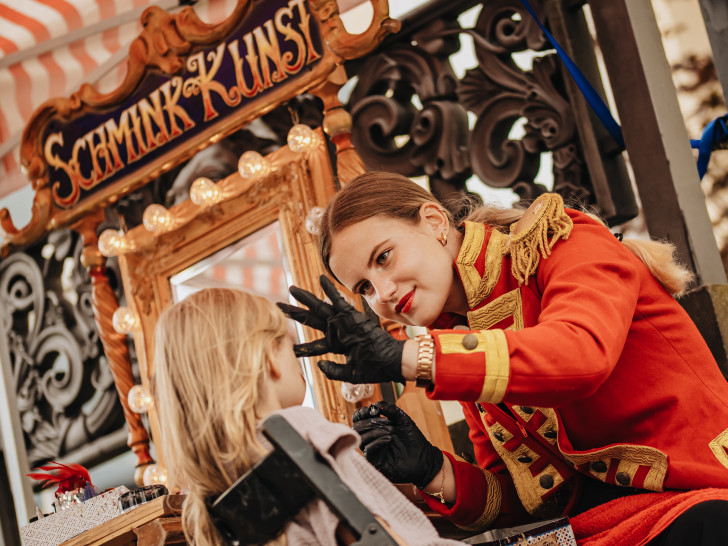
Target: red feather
[68, 477]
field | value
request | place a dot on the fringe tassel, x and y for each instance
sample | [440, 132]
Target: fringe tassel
[536, 240]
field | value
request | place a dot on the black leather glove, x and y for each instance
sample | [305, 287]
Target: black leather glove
[395, 446]
[372, 355]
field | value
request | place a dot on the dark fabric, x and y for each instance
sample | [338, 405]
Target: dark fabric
[705, 524]
[595, 493]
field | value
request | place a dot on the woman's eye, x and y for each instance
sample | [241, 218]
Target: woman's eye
[382, 258]
[365, 288]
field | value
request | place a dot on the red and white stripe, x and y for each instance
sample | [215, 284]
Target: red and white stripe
[26, 84]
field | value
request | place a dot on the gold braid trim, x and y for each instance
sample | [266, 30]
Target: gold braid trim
[497, 367]
[478, 288]
[717, 446]
[469, 250]
[492, 505]
[504, 306]
[630, 457]
[536, 233]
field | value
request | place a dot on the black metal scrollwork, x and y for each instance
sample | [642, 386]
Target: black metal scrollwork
[410, 111]
[66, 396]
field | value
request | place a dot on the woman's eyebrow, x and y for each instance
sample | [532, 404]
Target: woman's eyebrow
[372, 256]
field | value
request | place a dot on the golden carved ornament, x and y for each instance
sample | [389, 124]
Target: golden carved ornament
[166, 44]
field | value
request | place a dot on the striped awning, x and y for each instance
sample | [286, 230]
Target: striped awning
[48, 48]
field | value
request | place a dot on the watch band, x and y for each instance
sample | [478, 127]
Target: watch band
[425, 357]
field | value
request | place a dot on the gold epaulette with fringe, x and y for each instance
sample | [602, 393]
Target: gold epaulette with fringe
[536, 233]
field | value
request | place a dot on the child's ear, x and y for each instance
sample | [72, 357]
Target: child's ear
[275, 371]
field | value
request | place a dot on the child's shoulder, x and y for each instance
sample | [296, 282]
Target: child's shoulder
[316, 429]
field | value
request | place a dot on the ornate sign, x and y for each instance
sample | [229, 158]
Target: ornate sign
[188, 84]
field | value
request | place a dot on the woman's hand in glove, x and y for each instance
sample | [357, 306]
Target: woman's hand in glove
[392, 443]
[372, 355]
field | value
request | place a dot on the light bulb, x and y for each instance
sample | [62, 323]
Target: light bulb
[157, 219]
[313, 220]
[253, 165]
[111, 242]
[301, 138]
[354, 393]
[154, 474]
[139, 399]
[124, 320]
[204, 192]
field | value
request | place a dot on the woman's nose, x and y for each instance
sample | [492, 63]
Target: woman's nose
[386, 291]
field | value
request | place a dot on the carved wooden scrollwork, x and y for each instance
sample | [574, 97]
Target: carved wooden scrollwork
[410, 109]
[66, 397]
[384, 113]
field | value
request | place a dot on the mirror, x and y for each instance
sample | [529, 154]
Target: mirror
[227, 239]
[257, 264]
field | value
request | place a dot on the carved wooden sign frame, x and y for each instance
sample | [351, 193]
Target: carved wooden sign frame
[188, 84]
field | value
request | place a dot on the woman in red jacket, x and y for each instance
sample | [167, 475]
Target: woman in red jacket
[580, 376]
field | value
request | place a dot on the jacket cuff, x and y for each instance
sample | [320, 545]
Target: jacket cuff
[470, 365]
[478, 499]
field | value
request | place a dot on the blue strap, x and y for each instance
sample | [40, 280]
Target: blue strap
[714, 137]
[590, 94]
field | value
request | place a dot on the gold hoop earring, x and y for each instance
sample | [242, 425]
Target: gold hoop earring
[443, 239]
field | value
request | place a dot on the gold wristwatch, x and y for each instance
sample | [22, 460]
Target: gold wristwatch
[425, 357]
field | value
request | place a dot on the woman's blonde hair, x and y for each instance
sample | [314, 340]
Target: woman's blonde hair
[211, 361]
[377, 193]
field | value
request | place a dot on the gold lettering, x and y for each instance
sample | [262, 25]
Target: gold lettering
[119, 134]
[155, 113]
[305, 21]
[252, 58]
[137, 126]
[205, 82]
[76, 165]
[55, 161]
[268, 48]
[98, 151]
[290, 35]
[173, 109]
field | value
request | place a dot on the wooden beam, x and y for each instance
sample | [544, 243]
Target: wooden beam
[715, 14]
[655, 134]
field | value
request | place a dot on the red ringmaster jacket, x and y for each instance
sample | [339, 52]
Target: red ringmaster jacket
[578, 365]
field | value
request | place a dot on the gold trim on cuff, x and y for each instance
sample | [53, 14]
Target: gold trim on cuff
[497, 367]
[492, 505]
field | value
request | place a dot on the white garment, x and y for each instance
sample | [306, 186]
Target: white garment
[316, 524]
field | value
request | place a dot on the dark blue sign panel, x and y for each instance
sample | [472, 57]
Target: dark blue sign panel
[277, 42]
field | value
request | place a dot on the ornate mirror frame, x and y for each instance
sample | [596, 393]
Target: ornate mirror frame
[298, 182]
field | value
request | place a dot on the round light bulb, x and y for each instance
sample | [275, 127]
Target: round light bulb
[157, 219]
[355, 393]
[111, 242]
[301, 138]
[204, 192]
[253, 165]
[313, 220]
[155, 474]
[139, 399]
[124, 320]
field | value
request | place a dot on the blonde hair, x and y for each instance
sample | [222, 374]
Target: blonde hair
[392, 195]
[211, 366]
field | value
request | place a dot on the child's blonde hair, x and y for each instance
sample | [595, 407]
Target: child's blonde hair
[211, 363]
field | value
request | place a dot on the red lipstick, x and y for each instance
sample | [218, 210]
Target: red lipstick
[405, 304]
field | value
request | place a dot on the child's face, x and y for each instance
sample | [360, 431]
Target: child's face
[290, 386]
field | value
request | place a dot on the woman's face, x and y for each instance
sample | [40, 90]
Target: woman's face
[401, 269]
